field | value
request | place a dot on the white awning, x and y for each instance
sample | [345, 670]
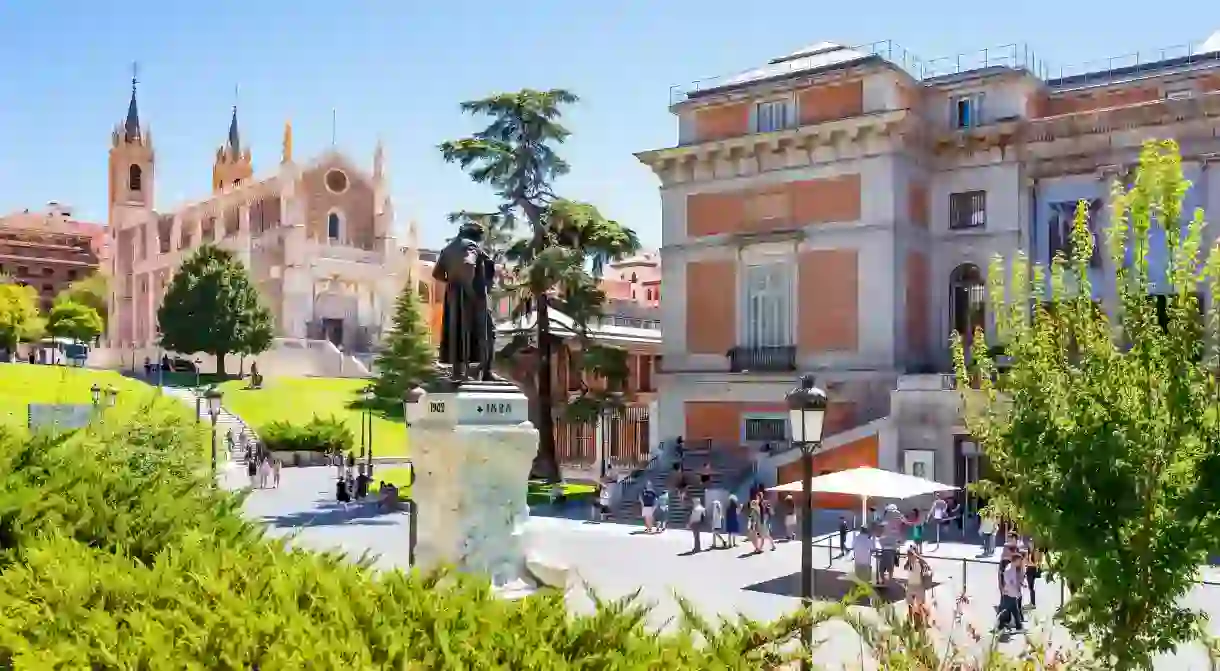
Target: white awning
[871, 483]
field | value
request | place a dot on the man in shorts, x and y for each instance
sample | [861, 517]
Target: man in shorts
[648, 507]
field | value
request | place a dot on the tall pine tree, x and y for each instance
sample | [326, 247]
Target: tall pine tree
[211, 306]
[407, 357]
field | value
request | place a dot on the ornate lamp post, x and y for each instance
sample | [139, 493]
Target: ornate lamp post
[806, 412]
[95, 393]
[412, 406]
[112, 396]
[198, 364]
[214, 398]
[368, 414]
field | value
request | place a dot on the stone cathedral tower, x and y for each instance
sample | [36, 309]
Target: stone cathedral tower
[232, 166]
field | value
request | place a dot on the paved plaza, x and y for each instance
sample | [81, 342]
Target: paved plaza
[617, 559]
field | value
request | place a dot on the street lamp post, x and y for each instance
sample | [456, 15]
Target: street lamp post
[198, 363]
[806, 412]
[412, 406]
[368, 411]
[214, 397]
[95, 393]
[112, 396]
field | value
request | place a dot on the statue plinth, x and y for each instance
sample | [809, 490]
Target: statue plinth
[472, 447]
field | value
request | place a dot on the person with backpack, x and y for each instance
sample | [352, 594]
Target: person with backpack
[648, 507]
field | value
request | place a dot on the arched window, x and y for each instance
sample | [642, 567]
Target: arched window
[967, 301]
[332, 226]
[423, 292]
[633, 280]
[135, 178]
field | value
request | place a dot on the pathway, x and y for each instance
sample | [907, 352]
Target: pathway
[224, 422]
[618, 559]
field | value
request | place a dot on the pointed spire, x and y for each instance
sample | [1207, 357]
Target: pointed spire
[286, 152]
[234, 136]
[131, 127]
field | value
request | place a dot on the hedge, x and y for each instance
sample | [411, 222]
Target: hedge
[327, 435]
[116, 552]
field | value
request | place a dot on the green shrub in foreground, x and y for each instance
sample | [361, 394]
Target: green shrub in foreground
[117, 553]
[319, 434]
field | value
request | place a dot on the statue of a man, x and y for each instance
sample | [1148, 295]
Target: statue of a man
[467, 327]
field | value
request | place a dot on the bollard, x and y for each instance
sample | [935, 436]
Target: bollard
[411, 531]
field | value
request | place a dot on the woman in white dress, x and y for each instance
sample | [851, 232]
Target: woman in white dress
[264, 473]
[719, 540]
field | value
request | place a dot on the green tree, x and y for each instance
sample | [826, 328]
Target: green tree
[1104, 428]
[211, 306]
[516, 155]
[69, 319]
[407, 357]
[91, 291]
[19, 316]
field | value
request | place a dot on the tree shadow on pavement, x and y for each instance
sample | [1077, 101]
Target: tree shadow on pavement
[828, 585]
[335, 514]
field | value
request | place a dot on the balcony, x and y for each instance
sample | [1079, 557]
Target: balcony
[762, 359]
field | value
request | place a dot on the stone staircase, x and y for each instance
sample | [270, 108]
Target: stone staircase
[224, 422]
[729, 471]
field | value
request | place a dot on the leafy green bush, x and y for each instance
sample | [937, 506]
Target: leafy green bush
[319, 434]
[118, 553]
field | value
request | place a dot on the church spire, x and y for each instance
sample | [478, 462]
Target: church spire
[131, 127]
[234, 136]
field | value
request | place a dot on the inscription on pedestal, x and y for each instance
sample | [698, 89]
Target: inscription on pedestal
[475, 409]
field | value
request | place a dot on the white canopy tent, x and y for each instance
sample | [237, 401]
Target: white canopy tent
[869, 483]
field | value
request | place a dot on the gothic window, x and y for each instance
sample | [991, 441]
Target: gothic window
[332, 226]
[135, 178]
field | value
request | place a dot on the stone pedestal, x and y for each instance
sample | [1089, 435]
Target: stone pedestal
[472, 450]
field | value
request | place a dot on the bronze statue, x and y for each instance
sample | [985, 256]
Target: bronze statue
[468, 331]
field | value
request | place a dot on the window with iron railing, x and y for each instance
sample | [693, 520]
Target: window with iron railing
[968, 210]
[765, 429]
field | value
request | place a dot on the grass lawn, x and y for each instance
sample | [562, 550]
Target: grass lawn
[539, 492]
[297, 399]
[21, 384]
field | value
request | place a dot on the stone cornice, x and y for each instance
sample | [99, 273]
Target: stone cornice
[805, 140]
[1127, 117]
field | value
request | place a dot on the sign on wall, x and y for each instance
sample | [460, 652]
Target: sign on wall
[58, 416]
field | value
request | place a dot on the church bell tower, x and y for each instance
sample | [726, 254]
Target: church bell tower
[232, 166]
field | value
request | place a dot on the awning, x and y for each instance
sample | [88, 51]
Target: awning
[870, 483]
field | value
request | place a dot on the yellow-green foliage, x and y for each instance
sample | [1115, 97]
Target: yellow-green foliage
[117, 553]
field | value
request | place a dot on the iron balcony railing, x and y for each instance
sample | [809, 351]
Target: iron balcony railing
[743, 359]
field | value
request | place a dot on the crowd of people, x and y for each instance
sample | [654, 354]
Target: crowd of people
[262, 468]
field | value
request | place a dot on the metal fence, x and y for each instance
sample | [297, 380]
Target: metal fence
[623, 438]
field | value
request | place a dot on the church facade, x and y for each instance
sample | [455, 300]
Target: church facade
[316, 238]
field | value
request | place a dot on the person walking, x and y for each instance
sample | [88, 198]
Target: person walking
[697, 513]
[1009, 612]
[662, 510]
[753, 521]
[1033, 571]
[987, 530]
[842, 536]
[719, 540]
[276, 465]
[766, 518]
[648, 506]
[732, 521]
[789, 518]
[862, 547]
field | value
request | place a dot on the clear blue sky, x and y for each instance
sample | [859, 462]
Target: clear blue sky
[399, 69]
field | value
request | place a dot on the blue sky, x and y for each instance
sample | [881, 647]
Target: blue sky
[399, 69]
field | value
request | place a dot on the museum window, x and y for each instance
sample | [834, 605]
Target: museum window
[968, 210]
[135, 178]
[968, 306]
